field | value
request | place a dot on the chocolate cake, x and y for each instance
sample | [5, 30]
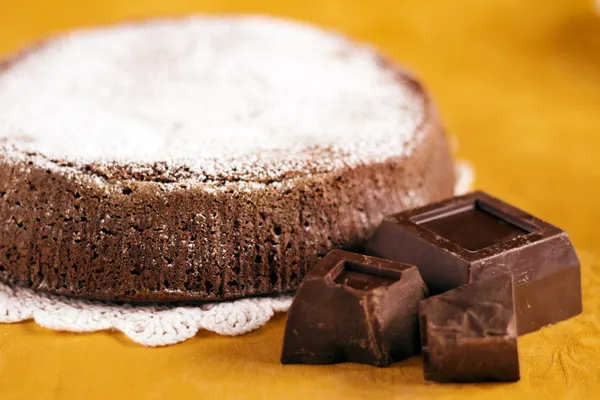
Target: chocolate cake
[204, 158]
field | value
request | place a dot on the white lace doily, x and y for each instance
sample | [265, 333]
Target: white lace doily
[153, 325]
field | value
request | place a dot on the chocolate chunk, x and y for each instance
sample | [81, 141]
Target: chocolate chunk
[475, 237]
[354, 308]
[469, 334]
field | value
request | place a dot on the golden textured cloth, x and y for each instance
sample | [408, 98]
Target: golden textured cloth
[516, 81]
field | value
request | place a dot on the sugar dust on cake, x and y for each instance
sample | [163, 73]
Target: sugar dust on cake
[204, 158]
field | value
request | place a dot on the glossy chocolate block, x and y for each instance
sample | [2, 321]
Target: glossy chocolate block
[469, 334]
[475, 237]
[354, 308]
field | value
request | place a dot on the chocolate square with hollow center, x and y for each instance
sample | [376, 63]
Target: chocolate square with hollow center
[475, 237]
[469, 334]
[473, 227]
[364, 277]
[355, 308]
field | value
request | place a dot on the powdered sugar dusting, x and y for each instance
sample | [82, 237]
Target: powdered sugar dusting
[248, 97]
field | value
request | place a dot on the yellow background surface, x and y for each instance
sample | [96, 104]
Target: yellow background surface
[517, 82]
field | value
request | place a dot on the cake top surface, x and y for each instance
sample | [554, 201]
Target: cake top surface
[244, 98]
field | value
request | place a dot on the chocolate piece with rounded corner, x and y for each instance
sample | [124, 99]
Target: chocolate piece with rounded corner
[354, 308]
[473, 237]
[469, 334]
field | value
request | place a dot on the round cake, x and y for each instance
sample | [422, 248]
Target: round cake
[203, 158]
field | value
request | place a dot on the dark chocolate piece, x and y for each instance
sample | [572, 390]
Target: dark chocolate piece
[469, 334]
[354, 308]
[475, 237]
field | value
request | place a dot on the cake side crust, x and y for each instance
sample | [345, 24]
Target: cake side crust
[136, 241]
